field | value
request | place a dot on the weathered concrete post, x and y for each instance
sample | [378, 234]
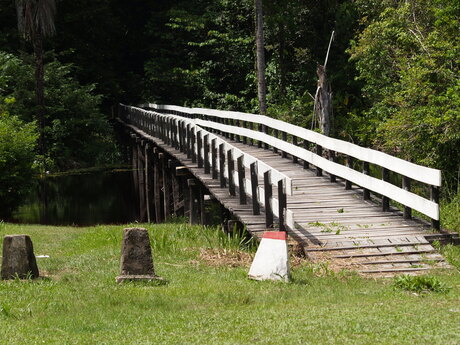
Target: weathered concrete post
[136, 256]
[18, 258]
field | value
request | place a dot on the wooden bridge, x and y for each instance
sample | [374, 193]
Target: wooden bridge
[341, 202]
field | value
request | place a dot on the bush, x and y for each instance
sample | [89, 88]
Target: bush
[17, 145]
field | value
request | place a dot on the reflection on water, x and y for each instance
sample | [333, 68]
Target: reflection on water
[100, 197]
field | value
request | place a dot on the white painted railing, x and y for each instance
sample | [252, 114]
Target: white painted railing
[179, 132]
[235, 123]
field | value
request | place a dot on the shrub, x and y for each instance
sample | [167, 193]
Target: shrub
[17, 154]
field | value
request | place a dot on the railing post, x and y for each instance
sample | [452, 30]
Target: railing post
[332, 158]
[241, 180]
[254, 188]
[275, 134]
[305, 163]
[366, 171]
[266, 132]
[319, 152]
[207, 166]
[349, 165]
[223, 183]
[294, 142]
[199, 145]
[238, 138]
[282, 205]
[435, 223]
[245, 139]
[385, 200]
[214, 159]
[230, 169]
[232, 123]
[188, 146]
[284, 138]
[259, 143]
[406, 182]
[268, 195]
[192, 145]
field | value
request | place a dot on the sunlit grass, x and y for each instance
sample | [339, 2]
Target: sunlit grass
[201, 303]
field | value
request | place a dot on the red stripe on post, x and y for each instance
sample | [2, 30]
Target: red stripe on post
[275, 235]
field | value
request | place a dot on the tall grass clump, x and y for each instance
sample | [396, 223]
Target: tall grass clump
[420, 284]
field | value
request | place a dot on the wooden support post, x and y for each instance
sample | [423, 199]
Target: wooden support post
[266, 132]
[230, 169]
[223, 182]
[241, 180]
[385, 200]
[192, 145]
[141, 177]
[157, 187]
[175, 185]
[237, 137]
[332, 158]
[435, 223]
[207, 164]
[366, 171]
[275, 134]
[199, 146]
[215, 171]
[305, 163]
[348, 184]
[406, 182]
[254, 189]
[166, 186]
[135, 161]
[188, 146]
[194, 203]
[202, 206]
[231, 122]
[259, 143]
[284, 138]
[148, 181]
[245, 139]
[282, 205]
[319, 152]
[294, 142]
[268, 195]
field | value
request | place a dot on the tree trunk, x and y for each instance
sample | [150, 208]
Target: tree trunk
[323, 102]
[40, 88]
[260, 57]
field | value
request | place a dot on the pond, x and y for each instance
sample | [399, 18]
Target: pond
[102, 196]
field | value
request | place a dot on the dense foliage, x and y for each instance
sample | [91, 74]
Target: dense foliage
[76, 132]
[393, 68]
[17, 143]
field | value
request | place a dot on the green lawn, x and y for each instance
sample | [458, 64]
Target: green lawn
[207, 303]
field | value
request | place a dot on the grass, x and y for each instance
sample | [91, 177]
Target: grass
[205, 302]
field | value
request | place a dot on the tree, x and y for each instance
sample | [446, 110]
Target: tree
[17, 144]
[35, 23]
[260, 57]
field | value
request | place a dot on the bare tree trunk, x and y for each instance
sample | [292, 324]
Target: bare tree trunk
[323, 102]
[261, 86]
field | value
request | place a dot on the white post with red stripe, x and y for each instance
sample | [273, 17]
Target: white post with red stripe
[271, 261]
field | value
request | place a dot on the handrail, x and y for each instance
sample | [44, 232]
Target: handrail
[416, 172]
[181, 130]
[408, 170]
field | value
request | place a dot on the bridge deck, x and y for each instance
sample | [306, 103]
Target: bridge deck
[332, 223]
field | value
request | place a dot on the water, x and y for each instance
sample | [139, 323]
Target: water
[87, 198]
